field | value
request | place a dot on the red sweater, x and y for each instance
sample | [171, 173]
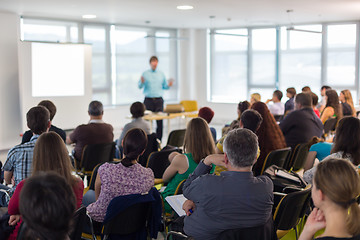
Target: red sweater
[13, 208]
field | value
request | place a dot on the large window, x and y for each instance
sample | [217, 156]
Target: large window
[119, 55]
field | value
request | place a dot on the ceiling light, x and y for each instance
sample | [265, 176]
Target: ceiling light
[89, 16]
[185, 7]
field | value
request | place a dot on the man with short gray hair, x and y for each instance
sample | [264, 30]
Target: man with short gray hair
[235, 199]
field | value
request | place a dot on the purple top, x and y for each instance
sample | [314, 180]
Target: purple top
[118, 180]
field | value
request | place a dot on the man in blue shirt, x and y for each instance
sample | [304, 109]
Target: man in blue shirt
[154, 82]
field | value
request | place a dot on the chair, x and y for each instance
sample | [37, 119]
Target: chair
[78, 223]
[278, 118]
[158, 161]
[290, 210]
[189, 105]
[152, 146]
[176, 138]
[330, 125]
[179, 188]
[263, 232]
[298, 157]
[276, 157]
[92, 155]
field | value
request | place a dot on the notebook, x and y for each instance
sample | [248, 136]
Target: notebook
[176, 202]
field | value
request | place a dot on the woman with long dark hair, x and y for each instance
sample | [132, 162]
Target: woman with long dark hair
[332, 108]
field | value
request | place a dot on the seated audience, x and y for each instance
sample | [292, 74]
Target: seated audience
[255, 97]
[47, 206]
[95, 132]
[52, 109]
[198, 144]
[322, 103]
[346, 144]
[315, 100]
[319, 148]
[277, 107]
[50, 155]
[290, 105]
[124, 178]
[302, 124]
[306, 89]
[347, 103]
[332, 108]
[242, 107]
[137, 110]
[19, 159]
[335, 194]
[207, 114]
[235, 199]
[269, 133]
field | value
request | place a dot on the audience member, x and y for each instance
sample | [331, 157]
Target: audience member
[207, 114]
[315, 100]
[346, 144]
[19, 159]
[124, 178]
[302, 124]
[255, 97]
[290, 105]
[47, 206]
[95, 132]
[198, 144]
[306, 89]
[51, 147]
[277, 107]
[242, 107]
[335, 194]
[319, 148]
[347, 103]
[332, 107]
[52, 109]
[236, 199]
[322, 103]
[137, 110]
[269, 134]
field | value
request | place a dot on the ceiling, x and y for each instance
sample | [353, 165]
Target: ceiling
[163, 13]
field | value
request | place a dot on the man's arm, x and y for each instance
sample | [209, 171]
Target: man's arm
[7, 176]
[286, 123]
[141, 82]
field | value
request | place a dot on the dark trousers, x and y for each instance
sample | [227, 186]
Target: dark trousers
[156, 105]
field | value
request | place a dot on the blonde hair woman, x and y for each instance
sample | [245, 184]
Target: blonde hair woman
[347, 103]
[335, 193]
[255, 97]
[198, 144]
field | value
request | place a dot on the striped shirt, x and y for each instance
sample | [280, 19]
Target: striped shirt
[19, 161]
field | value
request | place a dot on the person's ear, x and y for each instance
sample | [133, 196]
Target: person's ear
[49, 125]
[241, 124]
[226, 160]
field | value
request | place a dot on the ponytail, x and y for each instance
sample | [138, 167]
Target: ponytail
[134, 144]
[353, 219]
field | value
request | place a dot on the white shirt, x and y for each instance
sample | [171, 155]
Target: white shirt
[276, 108]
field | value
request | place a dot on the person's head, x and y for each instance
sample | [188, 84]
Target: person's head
[251, 119]
[306, 89]
[347, 138]
[255, 97]
[241, 148]
[96, 109]
[324, 89]
[337, 187]
[315, 99]
[47, 205]
[137, 109]
[49, 106]
[153, 62]
[242, 107]
[303, 100]
[277, 96]
[51, 154]
[206, 113]
[314, 140]
[38, 119]
[198, 139]
[345, 96]
[332, 100]
[290, 92]
[134, 145]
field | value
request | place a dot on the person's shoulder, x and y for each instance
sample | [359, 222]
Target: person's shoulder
[268, 184]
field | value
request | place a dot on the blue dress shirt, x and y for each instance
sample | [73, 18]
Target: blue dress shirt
[155, 83]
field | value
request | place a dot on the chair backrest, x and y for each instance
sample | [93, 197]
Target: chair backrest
[189, 105]
[93, 176]
[330, 125]
[152, 146]
[291, 209]
[263, 232]
[277, 157]
[78, 223]
[179, 188]
[93, 154]
[158, 161]
[176, 138]
[299, 157]
[133, 219]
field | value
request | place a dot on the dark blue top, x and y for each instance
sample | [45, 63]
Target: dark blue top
[28, 134]
[290, 105]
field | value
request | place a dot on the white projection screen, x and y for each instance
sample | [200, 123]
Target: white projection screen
[57, 72]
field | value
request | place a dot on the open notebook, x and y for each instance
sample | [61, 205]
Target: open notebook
[283, 174]
[176, 202]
